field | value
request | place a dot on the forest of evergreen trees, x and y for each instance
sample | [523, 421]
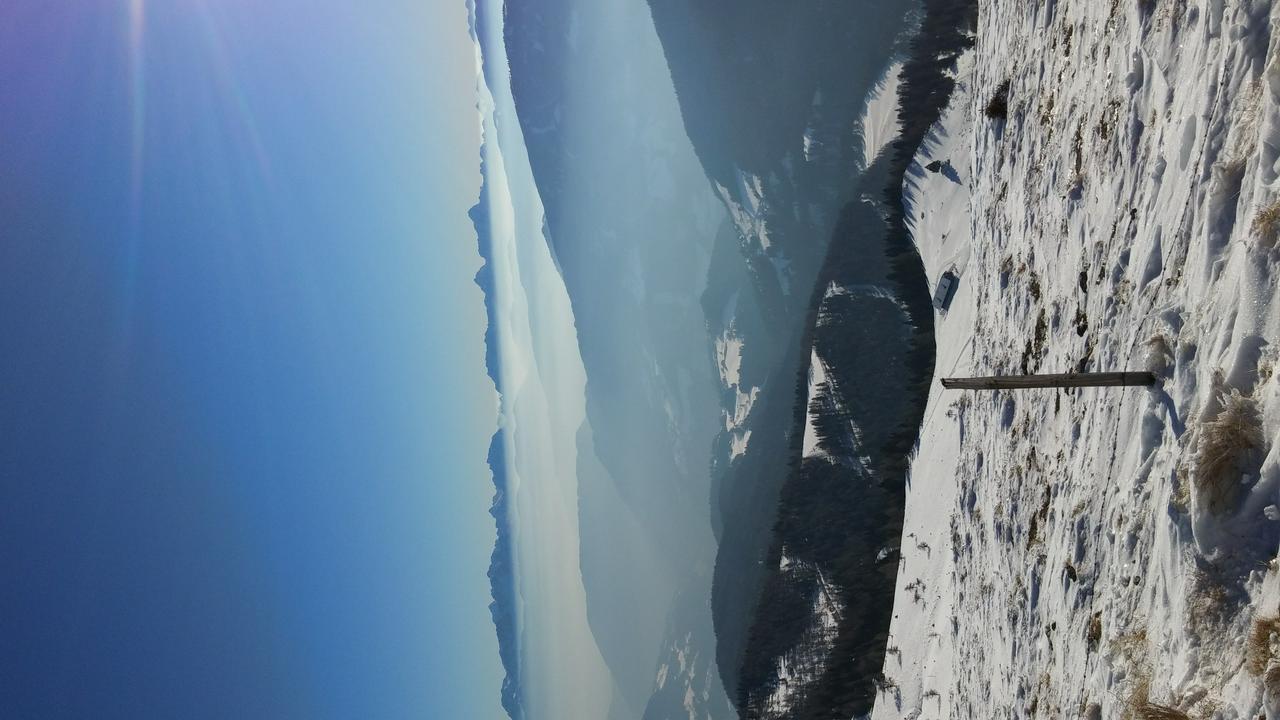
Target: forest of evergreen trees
[841, 509]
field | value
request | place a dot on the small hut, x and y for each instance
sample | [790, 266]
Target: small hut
[946, 290]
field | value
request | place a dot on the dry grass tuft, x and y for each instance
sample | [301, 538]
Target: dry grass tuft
[1156, 711]
[1266, 369]
[1266, 225]
[1140, 707]
[1271, 681]
[1132, 645]
[1224, 442]
[1260, 647]
[1094, 634]
[1207, 604]
[1180, 495]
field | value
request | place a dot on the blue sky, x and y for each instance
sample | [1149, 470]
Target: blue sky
[243, 402]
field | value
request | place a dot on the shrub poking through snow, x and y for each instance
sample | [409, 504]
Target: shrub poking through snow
[1225, 442]
[1260, 647]
[998, 107]
[1266, 225]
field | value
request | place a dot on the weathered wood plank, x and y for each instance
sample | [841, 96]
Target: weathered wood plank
[1062, 380]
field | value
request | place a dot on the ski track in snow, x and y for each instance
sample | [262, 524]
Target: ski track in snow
[1056, 551]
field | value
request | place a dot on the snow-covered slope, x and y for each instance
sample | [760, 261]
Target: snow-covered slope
[1094, 552]
[879, 123]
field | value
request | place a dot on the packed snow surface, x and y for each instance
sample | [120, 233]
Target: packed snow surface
[728, 349]
[1100, 552]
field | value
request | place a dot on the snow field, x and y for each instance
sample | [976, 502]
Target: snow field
[1082, 553]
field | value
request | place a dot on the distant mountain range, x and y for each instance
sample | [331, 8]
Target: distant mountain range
[696, 182]
[501, 573]
[631, 221]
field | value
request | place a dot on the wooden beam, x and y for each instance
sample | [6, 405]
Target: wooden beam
[1063, 380]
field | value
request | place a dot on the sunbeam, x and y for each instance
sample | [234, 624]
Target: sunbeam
[137, 82]
[137, 98]
[229, 88]
[244, 407]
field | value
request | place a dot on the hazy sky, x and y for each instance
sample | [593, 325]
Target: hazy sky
[243, 404]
